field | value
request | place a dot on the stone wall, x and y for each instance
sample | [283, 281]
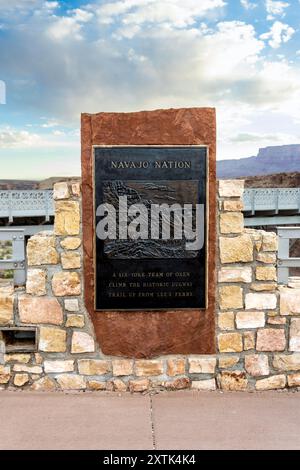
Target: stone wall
[257, 322]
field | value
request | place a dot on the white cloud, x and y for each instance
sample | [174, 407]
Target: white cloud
[51, 5]
[58, 133]
[174, 12]
[276, 8]
[21, 7]
[82, 16]
[248, 4]
[12, 138]
[69, 26]
[49, 123]
[278, 34]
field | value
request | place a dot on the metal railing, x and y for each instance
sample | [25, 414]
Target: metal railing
[271, 199]
[285, 262]
[17, 262]
[26, 203]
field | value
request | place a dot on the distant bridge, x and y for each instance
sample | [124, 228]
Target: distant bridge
[271, 206]
[27, 209]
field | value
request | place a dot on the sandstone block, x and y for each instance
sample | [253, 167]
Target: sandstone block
[231, 188]
[276, 321]
[285, 362]
[271, 339]
[289, 301]
[76, 189]
[269, 241]
[36, 282]
[204, 385]
[38, 358]
[122, 367]
[70, 243]
[67, 218]
[271, 383]
[72, 305]
[23, 358]
[293, 380]
[175, 367]
[257, 365]
[4, 374]
[139, 385]
[230, 342]
[231, 222]
[75, 321]
[295, 335]
[236, 205]
[21, 379]
[35, 310]
[233, 380]
[226, 321]
[249, 340]
[119, 385]
[41, 249]
[52, 339]
[56, 366]
[71, 382]
[70, 260]
[267, 258]
[45, 384]
[230, 297]
[6, 306]
[61, 191]
[96, 385]
[264, 286]
[238, 274]
[149, 367]
[266, 273]
[93, 367]
[249, 319]
[66, 283]
[202, 365]
[237, 249]
[28, 368]
[226, 362]
[256, 236]
[261, 301]
[82, 342]
[178, 384]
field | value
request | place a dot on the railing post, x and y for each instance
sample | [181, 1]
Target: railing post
[18, 248]
[283, 253]
[10, 207]
[17, 261]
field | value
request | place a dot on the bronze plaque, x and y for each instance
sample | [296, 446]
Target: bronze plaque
[152, 254]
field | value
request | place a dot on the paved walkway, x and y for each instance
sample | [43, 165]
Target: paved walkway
[176, 420]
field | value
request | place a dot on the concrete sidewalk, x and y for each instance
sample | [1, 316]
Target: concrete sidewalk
[176, 420]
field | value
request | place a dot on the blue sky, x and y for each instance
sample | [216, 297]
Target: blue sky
[61, 58]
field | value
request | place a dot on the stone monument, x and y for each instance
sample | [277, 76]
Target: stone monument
[149, 230]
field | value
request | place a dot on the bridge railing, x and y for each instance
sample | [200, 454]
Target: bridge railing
[271, 199]
[285, 262]
[17, 261]
[26, 203]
